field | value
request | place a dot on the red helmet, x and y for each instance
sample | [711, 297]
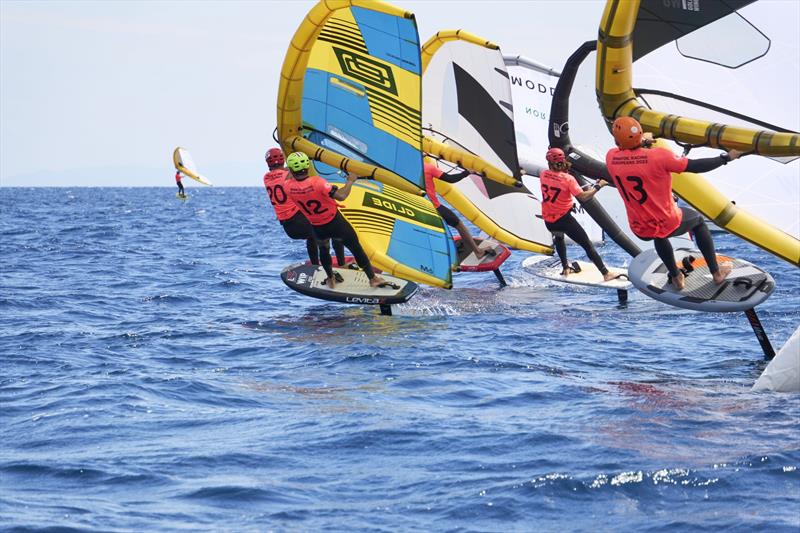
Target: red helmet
[274, 158]
[555, 155]
[627, 133]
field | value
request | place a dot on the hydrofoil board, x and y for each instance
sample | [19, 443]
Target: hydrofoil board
[468, 262]
[352, 289]
[746, 287]
[583, 273]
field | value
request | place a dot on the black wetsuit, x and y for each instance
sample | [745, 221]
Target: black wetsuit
[298, 227]
[569, 226]
[339, 228]
[448, 216]
[691, 221]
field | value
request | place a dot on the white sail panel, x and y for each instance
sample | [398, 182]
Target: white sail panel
[532, 92]
[766, 89]
[783, 372]
[466, 99]
[532, 88]
[467, 103]
[185, 164]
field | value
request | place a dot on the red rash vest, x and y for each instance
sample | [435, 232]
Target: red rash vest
[313, 196]
[275, 183]
[432, 171]
[558, 188]
[644, 182]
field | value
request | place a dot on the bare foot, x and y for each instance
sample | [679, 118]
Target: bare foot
[331, 282]
[723, 272]
[608, 276]
[566, 271]
[377, 280]
[480, 254]
[679, 281]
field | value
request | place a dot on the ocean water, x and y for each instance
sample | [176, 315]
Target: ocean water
[158, 376]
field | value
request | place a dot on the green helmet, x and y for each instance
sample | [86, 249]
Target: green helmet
[298, 162]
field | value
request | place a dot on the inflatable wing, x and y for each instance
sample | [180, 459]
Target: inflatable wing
[717, 75]
[185, 164]
[349, 97]
[468, 116]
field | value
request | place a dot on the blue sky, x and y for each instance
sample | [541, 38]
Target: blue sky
[99, 93]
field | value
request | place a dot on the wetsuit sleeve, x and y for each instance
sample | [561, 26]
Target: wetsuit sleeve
[333, 190]
[455, 177]
[706, 164]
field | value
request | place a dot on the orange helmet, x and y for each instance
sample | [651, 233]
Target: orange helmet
[627, 133]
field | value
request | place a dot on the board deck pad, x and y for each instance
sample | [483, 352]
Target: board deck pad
[349, 262]
[467, 262]
[588, 276]
[308, 279]
[746, 287]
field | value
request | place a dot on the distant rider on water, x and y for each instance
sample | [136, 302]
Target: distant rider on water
[181, 193]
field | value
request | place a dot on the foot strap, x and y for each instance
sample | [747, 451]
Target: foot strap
[338, 277]
[670, 276]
